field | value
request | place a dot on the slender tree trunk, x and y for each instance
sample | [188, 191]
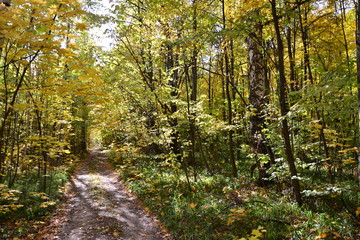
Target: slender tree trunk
[187, 161]
[42, 150]
[43, 147]
[209, 92]
[305, 40]
[309, 76]
[14, 133]
[284, 106]
[325, 146]
[223, 91]
[293, 85]
[343, 20]
[357, 3]
[171, 64]
[8, 110]
[204, 158]
[193, 95]
[16, 167]
[228, 74]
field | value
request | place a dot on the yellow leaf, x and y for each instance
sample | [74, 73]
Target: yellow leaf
[66, 1]
[81, 26]
[253, 238]
[335, 144]
[256, 233]
[38, 2]
[24, 62]
[91, 71]
[354, 149]
[193, 205]
[19, 2]
[73, 45]
[21, 106]
[349, 161]
[47, 204]
[238, 212]
[253, 4]
[336, 234]
[83, 77]
[230, 221]
[72, 36]
[357, 211]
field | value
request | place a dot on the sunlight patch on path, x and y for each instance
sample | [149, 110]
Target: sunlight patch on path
[100, 207]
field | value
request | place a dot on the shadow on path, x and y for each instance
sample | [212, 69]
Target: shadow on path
[98, 206]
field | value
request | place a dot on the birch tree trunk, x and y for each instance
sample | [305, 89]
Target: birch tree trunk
[257, 98]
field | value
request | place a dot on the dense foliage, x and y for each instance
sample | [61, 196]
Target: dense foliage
[247, 100]
[47, 83]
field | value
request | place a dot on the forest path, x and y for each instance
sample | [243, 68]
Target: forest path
[98, 206]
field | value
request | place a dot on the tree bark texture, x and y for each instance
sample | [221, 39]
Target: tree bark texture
[257, 97]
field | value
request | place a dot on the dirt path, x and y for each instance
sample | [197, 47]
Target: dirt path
[98, 206]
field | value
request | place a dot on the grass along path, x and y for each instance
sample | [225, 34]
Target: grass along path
[98, 206]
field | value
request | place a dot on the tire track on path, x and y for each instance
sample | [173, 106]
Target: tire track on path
[98, 206]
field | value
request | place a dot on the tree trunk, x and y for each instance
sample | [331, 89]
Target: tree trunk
[291, 53]
[258, 98]
[210, 90]
[193, 95]
[284, 106]
[358, 75]
[171, 64]
[6, 2]
[7, 113]
[228, 74]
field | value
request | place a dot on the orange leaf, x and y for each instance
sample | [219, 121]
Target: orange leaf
[193, 205]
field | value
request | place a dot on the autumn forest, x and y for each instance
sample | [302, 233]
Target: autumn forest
[228, 119]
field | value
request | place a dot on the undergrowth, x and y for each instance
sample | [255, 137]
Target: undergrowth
[23, 207]
[221, 207]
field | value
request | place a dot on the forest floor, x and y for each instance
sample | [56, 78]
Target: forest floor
[98, 206]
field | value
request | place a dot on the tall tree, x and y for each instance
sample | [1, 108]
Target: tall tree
[357, 5]
[258, 94]
[284, 104]
[228, 80]
[194, 86]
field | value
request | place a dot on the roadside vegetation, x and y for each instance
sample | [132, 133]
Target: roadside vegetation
[219, 206]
